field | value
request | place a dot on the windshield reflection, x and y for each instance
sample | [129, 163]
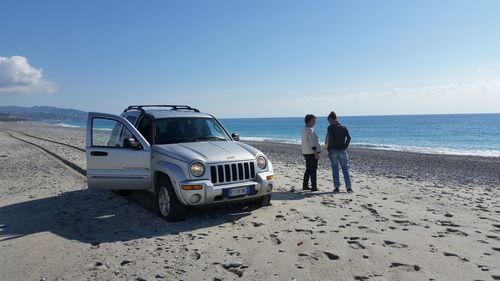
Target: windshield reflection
[188, 129]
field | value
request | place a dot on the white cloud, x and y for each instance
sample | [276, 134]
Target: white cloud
[477, 96]
[473, 96]
[18, 76]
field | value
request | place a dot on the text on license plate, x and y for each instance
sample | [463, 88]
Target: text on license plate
[237, 191]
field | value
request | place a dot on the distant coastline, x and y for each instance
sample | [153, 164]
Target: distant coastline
[40, 113]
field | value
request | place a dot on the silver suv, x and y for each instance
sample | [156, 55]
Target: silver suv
[185, 157]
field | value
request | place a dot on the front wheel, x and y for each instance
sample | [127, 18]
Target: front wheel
[167, 204]
[264, 200]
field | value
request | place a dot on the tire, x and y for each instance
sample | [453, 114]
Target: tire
[167, 203]
[264, 200]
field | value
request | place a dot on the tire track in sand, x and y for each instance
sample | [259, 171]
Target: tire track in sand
[66, 162]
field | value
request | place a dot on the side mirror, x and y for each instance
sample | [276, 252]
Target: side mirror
[131, 143]
[235, 136]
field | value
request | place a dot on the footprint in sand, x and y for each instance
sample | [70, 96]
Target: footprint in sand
[398, 216]
[392, 244]
[370, 208]
[456, 231]
[356, 244]
[493, 237]
[280, 218]
[331, 256]
[275, 239]
[407, 266]
[486, 218]
[310, 257]
[194, 255]
[447, 223]
[483, 267]
[304, 230]
[455, 255]
[404, 222]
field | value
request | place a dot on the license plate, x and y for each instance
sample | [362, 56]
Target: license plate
[237, 191]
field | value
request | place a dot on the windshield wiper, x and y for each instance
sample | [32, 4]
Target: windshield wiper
[211, 138]
[179, 140]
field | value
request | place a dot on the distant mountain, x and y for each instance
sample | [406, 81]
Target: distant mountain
[38, 113]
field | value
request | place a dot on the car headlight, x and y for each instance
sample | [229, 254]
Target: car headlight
[261, 162]
[197, 169]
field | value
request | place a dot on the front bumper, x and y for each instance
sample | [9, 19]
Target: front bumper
[210, 194]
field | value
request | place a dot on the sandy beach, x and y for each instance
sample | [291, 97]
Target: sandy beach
[412, 217]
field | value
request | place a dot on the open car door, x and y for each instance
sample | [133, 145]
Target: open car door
[118, 156]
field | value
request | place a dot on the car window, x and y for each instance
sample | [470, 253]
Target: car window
[109, 133]
[188, 129]
[145, 127]
[132, 119]
[125, 134]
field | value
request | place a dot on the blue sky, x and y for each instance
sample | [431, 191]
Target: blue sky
[253, 58]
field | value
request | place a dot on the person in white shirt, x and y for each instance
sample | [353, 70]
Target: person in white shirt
[311, 150]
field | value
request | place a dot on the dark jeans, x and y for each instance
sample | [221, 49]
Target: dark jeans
[311, 168]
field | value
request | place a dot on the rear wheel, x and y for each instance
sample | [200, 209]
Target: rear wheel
[167, 204]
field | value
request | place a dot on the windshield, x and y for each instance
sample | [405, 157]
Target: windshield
[188, 129]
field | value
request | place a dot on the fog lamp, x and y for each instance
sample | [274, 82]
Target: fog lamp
[195, 198]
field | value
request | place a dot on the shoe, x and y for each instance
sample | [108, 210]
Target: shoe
[335, 190]
[306, 188]
[349, 190]
[314, 189]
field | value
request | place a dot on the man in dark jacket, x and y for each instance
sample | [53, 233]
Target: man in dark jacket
[337, 141]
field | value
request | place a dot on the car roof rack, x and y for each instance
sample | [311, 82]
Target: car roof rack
[171, 106]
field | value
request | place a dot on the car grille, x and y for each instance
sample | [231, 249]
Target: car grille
[232, 172]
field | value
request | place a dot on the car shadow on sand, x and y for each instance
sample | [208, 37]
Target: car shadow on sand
[298, 195]
[95, 217]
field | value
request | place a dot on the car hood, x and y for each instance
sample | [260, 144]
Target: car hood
[209, 152]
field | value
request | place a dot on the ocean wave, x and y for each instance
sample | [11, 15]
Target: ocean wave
[265, 139]
[403, 148]
[433, 150]
[66, 125]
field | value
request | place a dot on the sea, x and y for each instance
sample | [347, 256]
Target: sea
[456, 134]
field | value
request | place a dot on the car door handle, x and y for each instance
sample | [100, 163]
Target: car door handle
[98, 153]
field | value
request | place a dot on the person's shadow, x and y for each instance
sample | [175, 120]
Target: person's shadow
[96, 217]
